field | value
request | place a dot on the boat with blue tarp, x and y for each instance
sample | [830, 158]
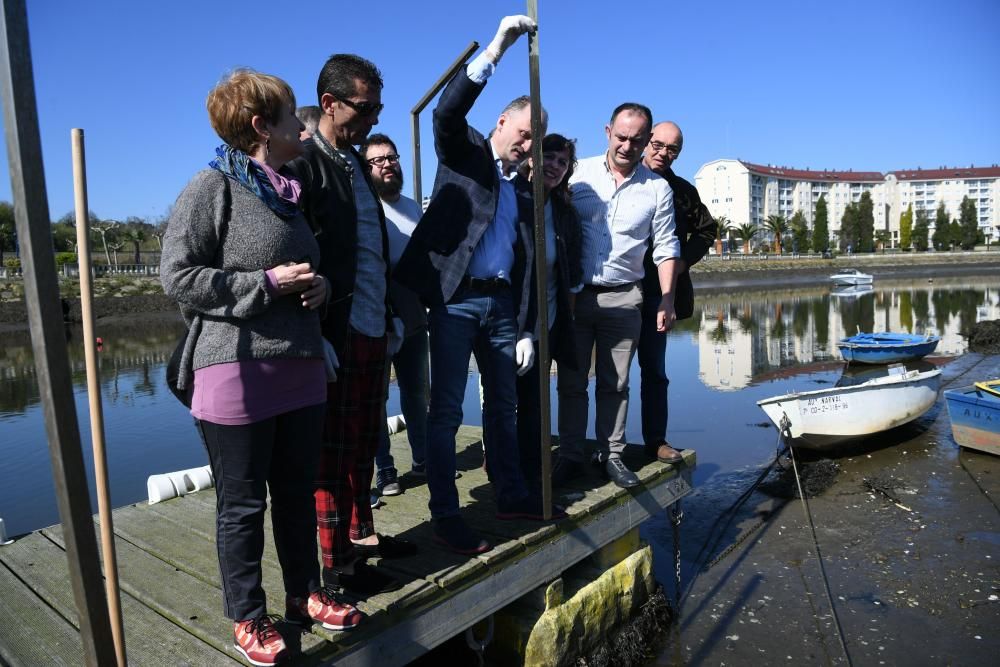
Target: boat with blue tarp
[886, 347]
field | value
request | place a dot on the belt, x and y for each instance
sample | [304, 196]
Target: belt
[601, 289]
[486, 285]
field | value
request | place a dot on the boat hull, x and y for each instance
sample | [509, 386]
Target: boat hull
[975, 418]
[826, 418]
[886, 349]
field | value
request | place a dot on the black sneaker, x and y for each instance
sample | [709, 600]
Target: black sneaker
[453, 533]
[618, 473]
[388, 483]
[364, 581]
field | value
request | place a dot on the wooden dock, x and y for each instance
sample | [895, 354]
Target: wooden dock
[172, 601]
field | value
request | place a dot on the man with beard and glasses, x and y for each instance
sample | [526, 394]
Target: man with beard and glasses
[411, 361]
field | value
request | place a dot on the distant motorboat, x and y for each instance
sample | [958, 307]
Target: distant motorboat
[851, 291]
[824, 418]
[851, 277]
[886, 347]
[975, 415]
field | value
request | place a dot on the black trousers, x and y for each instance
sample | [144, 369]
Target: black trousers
[280, 454]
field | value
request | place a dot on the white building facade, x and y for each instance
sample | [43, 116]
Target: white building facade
[748, 193]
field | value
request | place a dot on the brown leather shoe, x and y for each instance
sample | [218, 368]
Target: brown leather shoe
[664, 453]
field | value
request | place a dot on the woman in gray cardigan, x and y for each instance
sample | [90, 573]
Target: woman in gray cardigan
[238, 258]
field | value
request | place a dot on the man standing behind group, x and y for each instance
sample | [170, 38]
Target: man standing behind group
[622, 206]
[696, 230]
[401, 215]
[459, 261]
[340, 204]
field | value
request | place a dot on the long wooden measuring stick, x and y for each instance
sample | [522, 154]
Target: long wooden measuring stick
[48, 338]
[542, 279]
[94, 394]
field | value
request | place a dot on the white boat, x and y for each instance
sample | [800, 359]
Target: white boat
[851, 277]
[823, 418]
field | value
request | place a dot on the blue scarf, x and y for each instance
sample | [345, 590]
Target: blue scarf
[238, 166]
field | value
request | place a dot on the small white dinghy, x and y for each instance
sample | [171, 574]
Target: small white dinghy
[823, 418]
[851, 277]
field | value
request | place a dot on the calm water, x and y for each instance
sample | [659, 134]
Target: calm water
[737, 349]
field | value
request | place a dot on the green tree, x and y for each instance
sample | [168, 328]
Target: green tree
[882, 239]
[866, 223]
[850, 229]
[821, 227]
[921, 230]
[8, 230]
[800, 232]
[968, 224]
[941, 237]
[906, 228]
[777, 225]
[954, 233]
[745, 233]
[136, 236]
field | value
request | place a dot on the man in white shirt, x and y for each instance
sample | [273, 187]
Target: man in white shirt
[411, 361]
[622, 205]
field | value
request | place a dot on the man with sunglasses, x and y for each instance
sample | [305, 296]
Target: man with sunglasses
[696, 230]
[460, 260]
[341, 204]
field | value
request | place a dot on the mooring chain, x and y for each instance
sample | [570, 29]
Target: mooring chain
[737, 542]
[479, 646]
[676, 514]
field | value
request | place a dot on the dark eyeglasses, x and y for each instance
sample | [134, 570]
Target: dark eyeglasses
[363, 108]
[672, 149]
[380, 160]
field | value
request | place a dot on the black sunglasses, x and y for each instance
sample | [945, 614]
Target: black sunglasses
[363, 108]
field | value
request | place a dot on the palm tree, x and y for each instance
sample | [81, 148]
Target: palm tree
[745, 233]
[777, 225]
[725, 230]
[136, 236]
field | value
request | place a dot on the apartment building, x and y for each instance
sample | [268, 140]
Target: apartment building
[748, 192]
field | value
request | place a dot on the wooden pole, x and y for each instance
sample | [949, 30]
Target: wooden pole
[419, 106]
[48, 339]
[541, 272]
[94, 393]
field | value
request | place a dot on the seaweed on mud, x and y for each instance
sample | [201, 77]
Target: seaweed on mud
[816, 476]
[638, 641]
[883, 484]
[984, 337]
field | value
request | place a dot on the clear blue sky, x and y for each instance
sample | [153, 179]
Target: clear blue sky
[862, 85]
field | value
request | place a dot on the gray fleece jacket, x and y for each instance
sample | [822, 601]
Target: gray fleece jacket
[220, 240]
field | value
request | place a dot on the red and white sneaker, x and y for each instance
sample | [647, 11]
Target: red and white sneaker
[323, 608]
[259, 642]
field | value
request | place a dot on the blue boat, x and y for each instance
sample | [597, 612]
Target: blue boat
[975, 415]
[886, 347]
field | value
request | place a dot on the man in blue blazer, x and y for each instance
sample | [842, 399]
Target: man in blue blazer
[459, 260]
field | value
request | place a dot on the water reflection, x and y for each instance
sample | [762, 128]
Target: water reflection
[744, 338]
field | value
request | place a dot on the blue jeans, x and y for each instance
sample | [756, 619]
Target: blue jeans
[482, 324]
[411, 378]
[653, 372]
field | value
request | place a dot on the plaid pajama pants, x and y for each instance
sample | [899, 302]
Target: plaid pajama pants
[355, 416]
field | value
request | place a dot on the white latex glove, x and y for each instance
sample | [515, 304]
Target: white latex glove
[330, 361]
[524, 355]
[511, 27]
[395, 338]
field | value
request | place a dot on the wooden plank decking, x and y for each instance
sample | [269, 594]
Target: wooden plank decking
[171, 595]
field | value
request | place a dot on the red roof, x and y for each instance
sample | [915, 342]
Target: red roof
[807, 175]
[946, 173]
